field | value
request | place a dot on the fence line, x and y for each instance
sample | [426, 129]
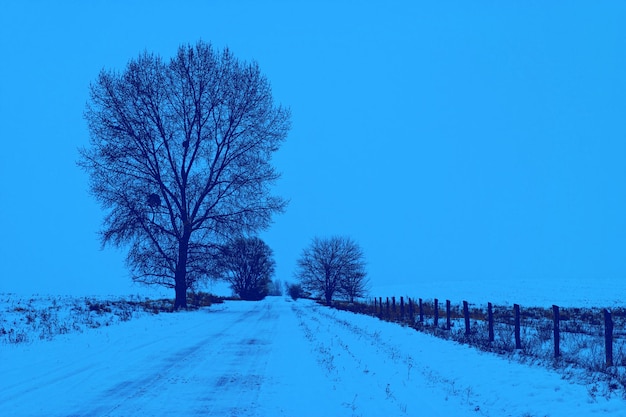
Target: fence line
[537, 325]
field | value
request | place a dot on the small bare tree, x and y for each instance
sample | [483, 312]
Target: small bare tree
[180, 160]
[248, 265]
[332, 266]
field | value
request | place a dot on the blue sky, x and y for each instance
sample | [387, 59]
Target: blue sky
[465, 140]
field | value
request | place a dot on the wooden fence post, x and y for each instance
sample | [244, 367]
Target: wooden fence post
[490, 319]
[421, 311]
[608, 337]
[467, 317]
[557, 333]
[393, 306]
[411, 312]
[380, 305]
[518, 338]
[448, 315]
[401, 308]
[388, 315]
[436, 312]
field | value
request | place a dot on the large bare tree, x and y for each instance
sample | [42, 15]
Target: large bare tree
[332, 266]
[180, 159]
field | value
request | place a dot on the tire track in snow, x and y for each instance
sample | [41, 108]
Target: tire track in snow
[341, 363]
[237, 382]
[199, 364]
[398, 355]
[384, 369]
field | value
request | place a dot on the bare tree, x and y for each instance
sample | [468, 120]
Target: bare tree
[248, 265]
[330, 266]
[354, 286]
[180, 160]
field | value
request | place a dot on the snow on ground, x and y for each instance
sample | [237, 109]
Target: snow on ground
[276, 358]
[37, 317]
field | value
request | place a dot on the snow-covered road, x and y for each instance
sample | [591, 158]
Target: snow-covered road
[276, 358]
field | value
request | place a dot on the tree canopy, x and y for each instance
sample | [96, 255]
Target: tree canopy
[248, 265]
[332, 266]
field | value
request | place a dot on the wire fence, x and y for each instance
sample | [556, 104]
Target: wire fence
[591, 338]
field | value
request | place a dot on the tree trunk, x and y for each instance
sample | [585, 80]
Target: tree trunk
[181, 291]
[180, 277]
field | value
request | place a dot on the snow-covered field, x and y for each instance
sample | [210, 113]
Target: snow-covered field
[37, 317]
[593, 292]
[277, 357]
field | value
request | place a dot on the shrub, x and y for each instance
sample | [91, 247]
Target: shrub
[203, 299]
[295, 291]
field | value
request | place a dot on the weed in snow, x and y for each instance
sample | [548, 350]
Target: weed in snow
[43, 318]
